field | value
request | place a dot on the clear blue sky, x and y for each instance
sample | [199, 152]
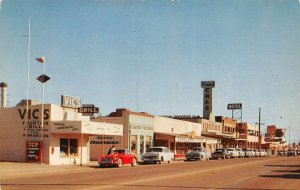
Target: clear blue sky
[99, 49]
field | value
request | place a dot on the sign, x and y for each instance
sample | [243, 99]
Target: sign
[70, 101]
[207, 84]
[88, 109]
[33, 151]
[43, 78]
[207, 98]
[237, 106]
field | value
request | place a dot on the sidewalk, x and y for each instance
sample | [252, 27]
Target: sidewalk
[10, 170]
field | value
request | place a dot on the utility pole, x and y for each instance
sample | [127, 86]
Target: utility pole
[259, 142]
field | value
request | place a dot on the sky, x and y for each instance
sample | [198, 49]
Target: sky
[151, 56]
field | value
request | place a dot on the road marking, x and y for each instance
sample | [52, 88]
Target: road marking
[243, 179]
[155, 178]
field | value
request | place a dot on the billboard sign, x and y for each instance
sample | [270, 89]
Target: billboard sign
[236, 106]
[88, 109]
[70, 101]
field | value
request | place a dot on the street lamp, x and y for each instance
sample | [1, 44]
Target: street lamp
[42, 78]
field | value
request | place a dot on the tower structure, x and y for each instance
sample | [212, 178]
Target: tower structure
[208, 109]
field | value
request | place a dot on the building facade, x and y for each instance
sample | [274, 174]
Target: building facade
[62, 139]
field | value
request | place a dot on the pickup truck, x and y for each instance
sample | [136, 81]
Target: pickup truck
[158, 154]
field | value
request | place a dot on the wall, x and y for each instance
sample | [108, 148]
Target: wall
[168, 125]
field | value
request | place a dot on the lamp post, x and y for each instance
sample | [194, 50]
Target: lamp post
[42, 78]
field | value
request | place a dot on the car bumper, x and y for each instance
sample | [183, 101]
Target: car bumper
[151, 160]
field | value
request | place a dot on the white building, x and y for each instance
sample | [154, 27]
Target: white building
[64, 137]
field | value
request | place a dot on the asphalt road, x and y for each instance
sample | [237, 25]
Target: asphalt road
[234, 174]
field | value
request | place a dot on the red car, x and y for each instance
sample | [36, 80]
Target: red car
[118, 158]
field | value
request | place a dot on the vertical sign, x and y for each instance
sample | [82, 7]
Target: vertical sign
[33, 151]
[207, 98]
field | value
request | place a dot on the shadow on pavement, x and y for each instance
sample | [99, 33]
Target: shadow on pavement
[284, 176]
[283, 165]
[291, 171]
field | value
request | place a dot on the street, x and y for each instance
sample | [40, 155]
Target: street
[238, 174]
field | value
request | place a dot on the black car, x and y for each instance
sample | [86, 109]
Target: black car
[221, 153]
[291, 152]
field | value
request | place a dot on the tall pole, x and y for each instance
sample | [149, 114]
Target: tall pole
[289, 135]
[137, 96]
[28, 73]
[259, 142]
[28, 59]
[42, 128]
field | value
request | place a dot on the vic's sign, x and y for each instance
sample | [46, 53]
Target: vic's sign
[70, 101]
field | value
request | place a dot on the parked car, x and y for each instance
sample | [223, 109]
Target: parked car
[264, 153]
[281, 153]
[118, 158]
[198, 153]
[241, 152]
[233, 153]
[291, 152]
[249, 152]
[158, 155]
[257, 153]
[220, 153]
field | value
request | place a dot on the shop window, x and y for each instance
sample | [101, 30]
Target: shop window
[73, 147]
[141, 144]
[64, 143]
[133, 141]
[148, 142]
[68, 147]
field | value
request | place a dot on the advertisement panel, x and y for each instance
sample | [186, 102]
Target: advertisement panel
[33, 151]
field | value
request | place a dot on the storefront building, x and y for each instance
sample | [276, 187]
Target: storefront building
[63, 139]
[228, 131]
[247, 136]
[180, 136]
[138, 130]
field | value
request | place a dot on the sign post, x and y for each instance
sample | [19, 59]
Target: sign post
[233, 107]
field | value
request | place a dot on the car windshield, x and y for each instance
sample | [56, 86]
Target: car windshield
[155, 150]
[197, 149]
[119, 151]
[230, 149]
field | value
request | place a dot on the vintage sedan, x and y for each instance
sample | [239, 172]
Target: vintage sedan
[221, 153]
[158, 154]
[291, 152]
[233, 153]
[241, 152]
[198, 153]
[118, 158]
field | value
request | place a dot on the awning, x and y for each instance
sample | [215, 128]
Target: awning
[86, 127]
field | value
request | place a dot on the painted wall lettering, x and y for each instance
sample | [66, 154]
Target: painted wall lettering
[33, 114]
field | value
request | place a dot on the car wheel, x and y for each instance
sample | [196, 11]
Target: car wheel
[169, 161]
[162, 159]
[101, 166]
[120, 162]
[134, 163]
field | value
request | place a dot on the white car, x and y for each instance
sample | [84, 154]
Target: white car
[241, 152]
[158, 155]
[257, 153]
[249, 153]
[233, 153]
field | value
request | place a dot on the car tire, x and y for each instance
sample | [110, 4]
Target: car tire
[101, 166]
[134, 162]
[120, 162]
